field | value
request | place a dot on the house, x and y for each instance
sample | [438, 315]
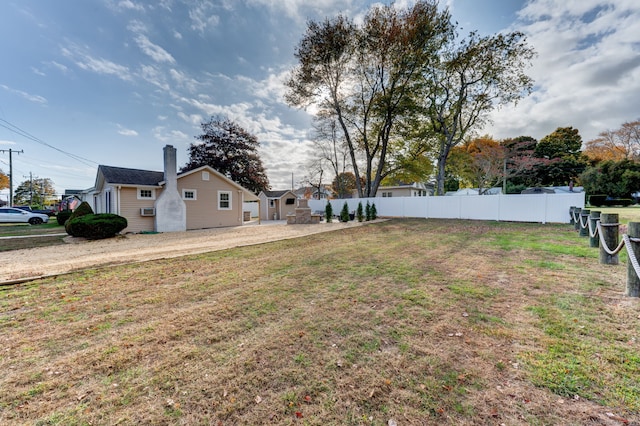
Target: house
[167, 201]
[276, 205]
[415, 189]
[312, 192]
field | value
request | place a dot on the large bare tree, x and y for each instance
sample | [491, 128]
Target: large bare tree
[366, 76]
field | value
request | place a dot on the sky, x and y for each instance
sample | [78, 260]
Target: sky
[89, 82]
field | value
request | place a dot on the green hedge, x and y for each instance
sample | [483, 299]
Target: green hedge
[96, 226]
[597, 200]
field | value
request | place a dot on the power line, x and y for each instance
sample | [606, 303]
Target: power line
[17, 130]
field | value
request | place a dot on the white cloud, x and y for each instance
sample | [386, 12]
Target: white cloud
[32, 98]
[587, 72]
[7, 142]
[87, 62]
[202, 17]
[126, 132]
[165, 135]
[154, 51]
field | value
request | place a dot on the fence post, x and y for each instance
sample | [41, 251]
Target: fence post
[576, 224]
[610, 229]
[594, 217]
[633, 281]
[584, 218]
[571, 221]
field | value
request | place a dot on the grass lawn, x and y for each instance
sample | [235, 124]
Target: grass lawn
[415, 321]
[39, 235]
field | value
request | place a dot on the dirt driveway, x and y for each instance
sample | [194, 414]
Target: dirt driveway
[19, 265]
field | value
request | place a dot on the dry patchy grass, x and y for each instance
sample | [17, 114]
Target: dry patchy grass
[419, 321]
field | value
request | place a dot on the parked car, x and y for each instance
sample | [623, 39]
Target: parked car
[48, 212]
[13, 215]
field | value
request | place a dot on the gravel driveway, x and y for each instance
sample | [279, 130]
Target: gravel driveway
[19, 265]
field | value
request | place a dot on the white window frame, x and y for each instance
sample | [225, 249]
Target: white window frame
[195, 194]
[205, 175]
[151, 190]
[229, 200]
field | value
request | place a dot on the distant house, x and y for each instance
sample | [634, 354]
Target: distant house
[476, 191]
[275, 205]
[415, 189]
[312, 192]
[167, 201]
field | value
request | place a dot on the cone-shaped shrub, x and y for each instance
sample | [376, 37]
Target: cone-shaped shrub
[367, 211]
[359, 212]
[96, 226]
[344, 213]
[374, 212]
[328, 212]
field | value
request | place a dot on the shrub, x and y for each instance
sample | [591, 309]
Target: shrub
[83, 209]
[623, 202]
[328, 212]
[374, 212]
[96, 226]
[367, 211]
[63, 216]
[344, 213]
[359, 212]
[597, 200]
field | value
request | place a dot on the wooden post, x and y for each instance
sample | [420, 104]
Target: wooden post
[633, 281]
[594, 217]
[576, 225]
[571, 221]
[610, 230]
[584, 219]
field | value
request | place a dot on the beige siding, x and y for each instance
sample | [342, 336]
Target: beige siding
[130, 208]
[203, 211]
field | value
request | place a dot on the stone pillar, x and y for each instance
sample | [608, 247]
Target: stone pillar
[171, 211]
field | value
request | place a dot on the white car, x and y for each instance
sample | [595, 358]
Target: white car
[11, 215]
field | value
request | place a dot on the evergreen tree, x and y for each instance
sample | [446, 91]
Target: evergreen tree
[374, 212]
[344, 213]
[367, 211]
[328, 212]
[359, 212]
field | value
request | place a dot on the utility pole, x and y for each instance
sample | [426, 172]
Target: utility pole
[11, 151]
[30, 189]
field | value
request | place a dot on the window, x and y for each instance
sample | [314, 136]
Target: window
[146, 194]
[290, 201]
[224, 200]
[386, 194]
[189, 194]
[205, 175]
[272, 203]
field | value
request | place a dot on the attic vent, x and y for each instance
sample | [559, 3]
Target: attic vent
[148, 211]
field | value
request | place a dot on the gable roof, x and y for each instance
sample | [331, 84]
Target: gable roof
[248, 195]
[276, 194]
[125, 176]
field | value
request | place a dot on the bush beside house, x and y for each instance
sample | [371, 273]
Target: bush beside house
[96, 226]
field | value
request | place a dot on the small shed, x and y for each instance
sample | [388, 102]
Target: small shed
[276, 205]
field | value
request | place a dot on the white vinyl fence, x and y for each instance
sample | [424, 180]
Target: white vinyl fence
[541, 208]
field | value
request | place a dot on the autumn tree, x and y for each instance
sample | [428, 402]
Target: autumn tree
[365, 77]
[521, 163]
[344, 185]
[616, 145]
[232, 151]
[36, 192]
[4, 180]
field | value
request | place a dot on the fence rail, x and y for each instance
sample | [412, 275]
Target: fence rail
[540, 208]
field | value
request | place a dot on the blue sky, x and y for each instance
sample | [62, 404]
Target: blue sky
[113, 81]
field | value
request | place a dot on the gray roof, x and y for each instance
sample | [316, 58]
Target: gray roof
[275, 194]
[130, 176]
